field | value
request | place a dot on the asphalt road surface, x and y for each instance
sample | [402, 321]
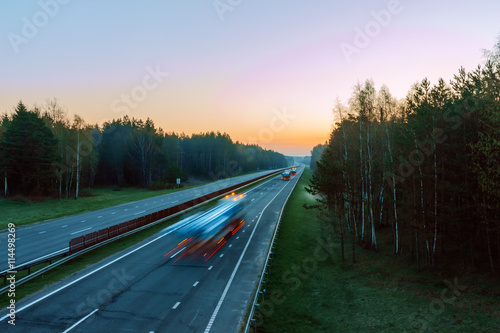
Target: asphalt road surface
[139, 290]
[37, 241]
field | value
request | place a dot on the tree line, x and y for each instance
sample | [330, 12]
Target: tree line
[44, 153]
[427, 167]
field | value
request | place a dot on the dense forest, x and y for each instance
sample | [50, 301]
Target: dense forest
[427, 167]
[43, 153]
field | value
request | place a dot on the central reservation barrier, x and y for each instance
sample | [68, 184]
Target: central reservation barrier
[79, 243]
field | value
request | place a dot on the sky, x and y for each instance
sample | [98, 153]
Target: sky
[265, 72]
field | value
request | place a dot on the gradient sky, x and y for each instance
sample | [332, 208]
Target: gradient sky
[265, 72]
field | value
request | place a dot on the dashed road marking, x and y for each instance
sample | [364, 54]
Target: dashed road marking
[209, 268]
[41, 232]
[76, 232]
[80, 321]
[176, 305]
[196, 283]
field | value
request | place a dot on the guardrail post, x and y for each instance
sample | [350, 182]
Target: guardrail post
[254, 322]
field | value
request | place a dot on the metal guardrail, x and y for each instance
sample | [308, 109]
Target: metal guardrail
[264, 276]
[67, 256]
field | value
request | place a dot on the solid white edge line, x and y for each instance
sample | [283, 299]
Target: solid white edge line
[110, 263]
[219, 304]
[88, 274]
[81, 320]
[33, 260]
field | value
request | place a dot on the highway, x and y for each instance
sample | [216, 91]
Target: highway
[138, 290]
[36, 241]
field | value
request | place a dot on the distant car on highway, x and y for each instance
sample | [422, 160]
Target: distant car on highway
[285, 175]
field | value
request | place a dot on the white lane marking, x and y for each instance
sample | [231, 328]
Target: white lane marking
[125, 209]
[261, 193]
[230, 245]
[90, 273]
[140, 212]
[113, 213]
[219, 304]
[64, 226]
[174, 201]
[83, 221]
[136, 206]
[81, 320]
[145, 204]
[176, 253]
[209, 268]
[222, 255]
[196, 283]
[47, 255]
[252, 199]
[81, 230]
[41, 232]
[176, 305]
[238, 237]
[99, 216]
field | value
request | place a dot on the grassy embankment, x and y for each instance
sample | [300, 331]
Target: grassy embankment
[378, 293]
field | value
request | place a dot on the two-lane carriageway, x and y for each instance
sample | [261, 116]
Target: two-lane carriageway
[138, 290]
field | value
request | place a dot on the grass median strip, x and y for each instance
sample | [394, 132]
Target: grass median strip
[79, 263]
[22, 211]
[312, 291]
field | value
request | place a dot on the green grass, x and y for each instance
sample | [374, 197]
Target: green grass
[22, 211]
[90, 258]
[378, 293]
